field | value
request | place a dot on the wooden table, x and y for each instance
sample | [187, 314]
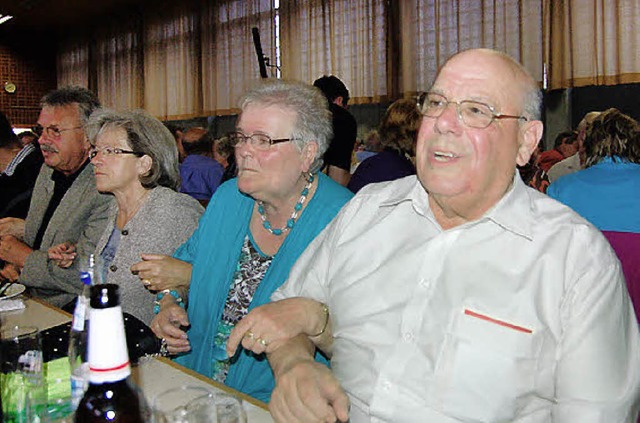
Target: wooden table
[154, 375]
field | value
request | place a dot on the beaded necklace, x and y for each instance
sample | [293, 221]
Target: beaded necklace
[296, 209]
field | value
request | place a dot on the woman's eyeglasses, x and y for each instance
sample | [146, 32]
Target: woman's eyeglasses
[258, 141]
[111, 151]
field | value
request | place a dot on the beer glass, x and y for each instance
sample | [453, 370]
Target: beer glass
[24, 394]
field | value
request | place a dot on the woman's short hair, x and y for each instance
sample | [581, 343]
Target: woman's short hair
[612, 134]
[313, 121]
[145, 134]
[399, 126]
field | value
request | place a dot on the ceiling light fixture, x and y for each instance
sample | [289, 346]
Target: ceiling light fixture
[4, 18]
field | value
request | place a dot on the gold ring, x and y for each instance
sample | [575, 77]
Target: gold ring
[249, 335]
[263, 342]
[146, 282]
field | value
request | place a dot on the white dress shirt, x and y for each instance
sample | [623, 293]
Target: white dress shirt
[522, 315]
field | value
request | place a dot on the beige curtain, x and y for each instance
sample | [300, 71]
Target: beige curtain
[229, 60]
[119, 64]
[434, 30]
[73, 62]
[592, 42]
[172, 69]
[346, 38]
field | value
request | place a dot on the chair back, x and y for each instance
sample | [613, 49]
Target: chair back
[627, 247]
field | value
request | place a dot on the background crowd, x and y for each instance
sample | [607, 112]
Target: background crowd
[458, 219]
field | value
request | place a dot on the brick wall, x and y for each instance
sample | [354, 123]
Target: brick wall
[28, 60]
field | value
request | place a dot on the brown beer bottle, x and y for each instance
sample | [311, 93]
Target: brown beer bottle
[110, 396]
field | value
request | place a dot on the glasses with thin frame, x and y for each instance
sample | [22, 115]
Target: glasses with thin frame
[51, 131]
[472, 113]
[258, 141]
[111, 151]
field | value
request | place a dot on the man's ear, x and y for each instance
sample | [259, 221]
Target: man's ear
[309, 153]
[339, 100]
[529, 136]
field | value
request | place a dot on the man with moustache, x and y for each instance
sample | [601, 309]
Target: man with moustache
[483, 299]
[65, 205]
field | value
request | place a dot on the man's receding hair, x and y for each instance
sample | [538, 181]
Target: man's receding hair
[87, 101]
[531, 93]
[202, 145]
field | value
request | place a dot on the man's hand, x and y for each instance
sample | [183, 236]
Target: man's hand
[158, 272]
[12, 226]
[269, 326]
[306, 391]
[10, 272]
[166, 325]
[12, 250]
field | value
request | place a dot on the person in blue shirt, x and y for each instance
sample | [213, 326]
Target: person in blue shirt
[253, 231]
[607, 191]
[200, 173]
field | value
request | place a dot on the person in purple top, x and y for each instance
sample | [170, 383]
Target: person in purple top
[200, 173]
[398, 131]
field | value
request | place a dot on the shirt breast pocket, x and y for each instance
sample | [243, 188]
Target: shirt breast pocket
[486, 367]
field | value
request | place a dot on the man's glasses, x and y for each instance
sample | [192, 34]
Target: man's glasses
[472, 113]
[111, 151]
[51, 131]
[258, 141]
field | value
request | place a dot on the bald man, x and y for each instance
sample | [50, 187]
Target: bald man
[460, 294]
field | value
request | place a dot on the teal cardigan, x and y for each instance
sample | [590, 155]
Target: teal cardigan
[214, 249]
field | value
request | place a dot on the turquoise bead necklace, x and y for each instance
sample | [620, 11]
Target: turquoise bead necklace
[296, 209]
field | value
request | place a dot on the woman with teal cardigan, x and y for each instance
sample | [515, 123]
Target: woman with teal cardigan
[253, 231]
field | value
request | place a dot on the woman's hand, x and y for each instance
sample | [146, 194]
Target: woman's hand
[158, 272]
[269, 326]
[167, 326]
[62, 254]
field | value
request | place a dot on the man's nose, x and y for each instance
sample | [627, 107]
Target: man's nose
[449, 120]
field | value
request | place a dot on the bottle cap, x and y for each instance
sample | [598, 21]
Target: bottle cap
[104, 296]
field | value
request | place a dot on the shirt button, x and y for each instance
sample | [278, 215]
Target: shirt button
[424, 283]
[113, 267]
[386, 386]
[408, 336]
[125, 232]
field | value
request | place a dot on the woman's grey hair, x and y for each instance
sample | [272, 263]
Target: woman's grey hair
[145, 134]
[313, 121]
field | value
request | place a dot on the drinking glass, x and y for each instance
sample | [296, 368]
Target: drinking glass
[228, 409]
[171, 406]
[22, 385]
[196, 404]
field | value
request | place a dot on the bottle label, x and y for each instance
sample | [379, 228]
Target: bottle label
[80, 314]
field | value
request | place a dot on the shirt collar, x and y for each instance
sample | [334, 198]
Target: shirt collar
[511, 212]
[59, 177]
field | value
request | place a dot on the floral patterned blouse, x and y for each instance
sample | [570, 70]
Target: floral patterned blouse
[251, 268]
